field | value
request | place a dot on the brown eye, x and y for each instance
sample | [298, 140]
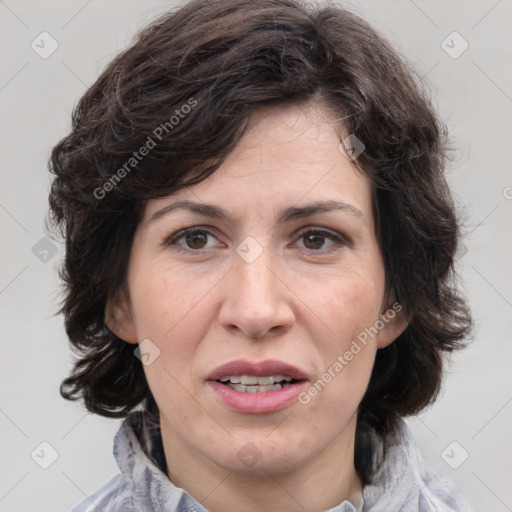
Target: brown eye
[193, 239]
[196, 240]
[320, 240]
[314, 241]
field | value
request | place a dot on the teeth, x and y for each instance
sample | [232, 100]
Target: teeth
[254, 389]
[248, 380]
[233, 378]
[266, 381]
[251, 380]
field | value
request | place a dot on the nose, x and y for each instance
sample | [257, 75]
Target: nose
[257, 301]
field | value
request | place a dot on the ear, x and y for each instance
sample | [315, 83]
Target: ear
[395, 322]
[119, 317]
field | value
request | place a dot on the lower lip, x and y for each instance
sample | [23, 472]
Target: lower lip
[266, 401]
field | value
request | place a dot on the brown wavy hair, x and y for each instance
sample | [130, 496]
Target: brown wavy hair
[233, 57]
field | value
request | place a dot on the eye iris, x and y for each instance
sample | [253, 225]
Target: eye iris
[196, 240]
[314, 241]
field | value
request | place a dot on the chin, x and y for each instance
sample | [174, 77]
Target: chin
[258, 455]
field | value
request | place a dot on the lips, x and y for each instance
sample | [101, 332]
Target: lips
[257, 387]
[257, 369]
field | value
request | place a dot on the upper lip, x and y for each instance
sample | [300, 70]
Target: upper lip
[258, 369]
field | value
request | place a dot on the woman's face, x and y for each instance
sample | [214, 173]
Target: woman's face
[252, 286]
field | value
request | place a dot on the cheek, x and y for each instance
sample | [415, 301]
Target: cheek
[174, 308]
[174, 313]
[349, 308]
[349, 304]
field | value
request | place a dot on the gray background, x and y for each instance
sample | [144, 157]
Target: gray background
[474, 95]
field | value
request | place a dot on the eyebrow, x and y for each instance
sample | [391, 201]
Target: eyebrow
[286, 215]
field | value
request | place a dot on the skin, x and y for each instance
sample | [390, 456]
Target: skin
[303, 300]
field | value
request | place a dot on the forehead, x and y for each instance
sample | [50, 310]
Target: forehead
[288, 156]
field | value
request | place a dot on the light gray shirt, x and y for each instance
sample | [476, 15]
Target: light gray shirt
[402, 481]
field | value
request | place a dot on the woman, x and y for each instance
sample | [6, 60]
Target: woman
[259, 264]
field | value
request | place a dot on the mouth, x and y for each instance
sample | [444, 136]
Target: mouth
[257, 387]
[254, 384]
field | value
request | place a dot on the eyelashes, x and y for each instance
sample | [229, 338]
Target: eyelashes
[194, 236]
[317, 237]
[199, 239]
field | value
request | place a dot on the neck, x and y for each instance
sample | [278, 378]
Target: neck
[322, 483]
